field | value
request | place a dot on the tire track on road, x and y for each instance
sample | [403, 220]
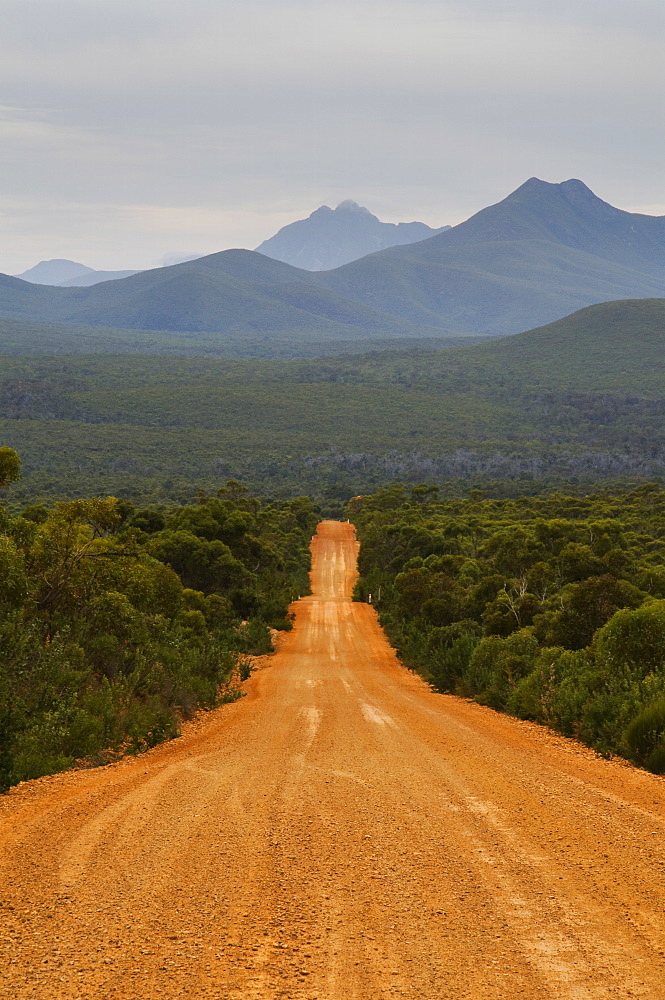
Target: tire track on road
[341, 833]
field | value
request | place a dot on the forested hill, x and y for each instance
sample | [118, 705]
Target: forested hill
[578, 402]
[615, 346]
[36, 337]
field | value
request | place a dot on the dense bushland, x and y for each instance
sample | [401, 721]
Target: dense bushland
[565, 407]
[549, 608]
[117, 622]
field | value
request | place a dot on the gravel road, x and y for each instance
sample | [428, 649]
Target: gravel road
[340, 833]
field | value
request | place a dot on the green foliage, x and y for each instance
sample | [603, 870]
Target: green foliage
[579, 609]
[548, 608]
[32, 337]
[10, 466]
[571, 405]
[634, 641]
[118, 622]
[646, 736]
[498, 664]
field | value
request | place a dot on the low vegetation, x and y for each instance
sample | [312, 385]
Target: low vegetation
[121, 616]
[551, 608]
[117, 621]
[31, 337]
[569, 405]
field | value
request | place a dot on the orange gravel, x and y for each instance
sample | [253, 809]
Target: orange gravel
[340, 833]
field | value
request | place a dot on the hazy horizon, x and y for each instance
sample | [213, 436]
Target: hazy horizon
[134, 132]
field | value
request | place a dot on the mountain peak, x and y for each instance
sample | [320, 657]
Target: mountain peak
[320, 211]
[354, 207]
[332, 237]
[52, 272]
[572, 189]
[576, 185]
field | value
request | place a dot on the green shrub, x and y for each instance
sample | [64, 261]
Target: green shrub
[561, 587]
[645, 737]
[498, 664]
[104, 647]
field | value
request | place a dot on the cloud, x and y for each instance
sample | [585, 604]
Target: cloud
[212, 109]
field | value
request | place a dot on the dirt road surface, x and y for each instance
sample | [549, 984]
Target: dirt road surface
[341, 833]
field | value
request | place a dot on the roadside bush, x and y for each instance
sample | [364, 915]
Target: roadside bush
[551, 607]
[497, 665]
[105, 645]
[645, 737]
[449, 652]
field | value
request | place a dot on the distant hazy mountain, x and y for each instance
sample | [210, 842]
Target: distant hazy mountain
[542, 253]
[177, 257]
[68, 273]
[332, 237]
[53, 272]
[233, 292]
[94, 278]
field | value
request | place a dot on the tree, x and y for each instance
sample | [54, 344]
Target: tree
[583, 608]
[633, 640]
[69, 535]
[10, 467]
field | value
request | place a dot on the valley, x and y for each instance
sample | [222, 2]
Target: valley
[574, 404]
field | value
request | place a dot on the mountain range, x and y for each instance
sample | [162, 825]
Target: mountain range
[540, 254]
[332, 237]
[327, 239]
[232, 292]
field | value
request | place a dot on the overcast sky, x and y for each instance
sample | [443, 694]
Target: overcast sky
[130, 129]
